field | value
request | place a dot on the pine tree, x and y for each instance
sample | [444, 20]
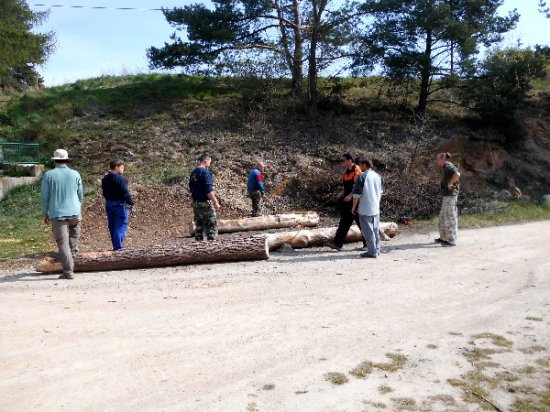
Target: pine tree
[21, 49]
[430, 41]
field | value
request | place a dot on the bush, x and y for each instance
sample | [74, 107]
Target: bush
[502, 84]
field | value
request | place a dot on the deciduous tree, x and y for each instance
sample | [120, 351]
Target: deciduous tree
[503, 81]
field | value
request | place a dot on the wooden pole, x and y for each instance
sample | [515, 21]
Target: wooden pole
[223, 250]
[308, 219]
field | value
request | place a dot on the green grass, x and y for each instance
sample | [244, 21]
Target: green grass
[22, 231]
[509, 212]
[41, 116]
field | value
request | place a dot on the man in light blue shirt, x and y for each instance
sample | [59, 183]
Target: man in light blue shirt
[367, 194]
[62, 197]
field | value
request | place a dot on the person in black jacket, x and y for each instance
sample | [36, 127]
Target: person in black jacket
[117, 202]
[205, 202]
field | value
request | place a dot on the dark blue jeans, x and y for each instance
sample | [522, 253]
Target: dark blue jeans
[117, 218]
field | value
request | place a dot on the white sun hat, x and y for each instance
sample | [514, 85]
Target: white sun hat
[60, 154]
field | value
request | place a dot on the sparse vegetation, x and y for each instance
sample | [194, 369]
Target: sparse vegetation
[397, 362]
[533, 349]
[366, 368]
[336, 378]
[477, 354]
[536, 319]
[268, 387]
[363, 370]
[383, 389]
[496, 340]
[405, 404]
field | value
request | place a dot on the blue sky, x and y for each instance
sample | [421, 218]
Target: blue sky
[92, 43]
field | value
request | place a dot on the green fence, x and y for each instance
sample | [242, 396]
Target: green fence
[17, 153]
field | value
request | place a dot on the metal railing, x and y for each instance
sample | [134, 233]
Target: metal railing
[19, 153]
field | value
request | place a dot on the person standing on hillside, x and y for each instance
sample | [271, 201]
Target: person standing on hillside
[450, 187]
[256, 188]
[117, 202]
[62, 195]
[366, 204]
[349, 177]
[205, 203]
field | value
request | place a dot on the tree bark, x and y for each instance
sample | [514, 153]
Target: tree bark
[300, 239]
[223, 250]
[308, 219]
[425, 74]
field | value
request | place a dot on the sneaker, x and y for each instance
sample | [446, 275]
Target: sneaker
[368, 255]
[69, 276]
[335, 246]
[439, 240]
[446, 243]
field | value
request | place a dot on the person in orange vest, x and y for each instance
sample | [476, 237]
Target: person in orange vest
[349, 177]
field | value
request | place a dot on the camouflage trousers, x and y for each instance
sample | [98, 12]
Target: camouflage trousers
[448, 219]
[257, 203]
[205, 220]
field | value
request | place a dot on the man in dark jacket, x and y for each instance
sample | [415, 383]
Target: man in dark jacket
[117, 202]
[205, 202]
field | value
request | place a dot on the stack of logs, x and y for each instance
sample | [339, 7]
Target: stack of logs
[222, 250]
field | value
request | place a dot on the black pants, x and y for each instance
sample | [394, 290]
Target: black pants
[346, 220]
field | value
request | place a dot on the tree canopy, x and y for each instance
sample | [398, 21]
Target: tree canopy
[543, 8]
[21, 49]
[429, 40]
[298, 36]
[502, 82]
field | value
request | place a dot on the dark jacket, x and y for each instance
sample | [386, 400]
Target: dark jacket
[201, 182]
[115, 187]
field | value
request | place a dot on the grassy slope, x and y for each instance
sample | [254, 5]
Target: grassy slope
[160, 123]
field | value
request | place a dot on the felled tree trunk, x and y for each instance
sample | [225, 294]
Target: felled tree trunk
[309, 219]
[300, 239]
[223, 250]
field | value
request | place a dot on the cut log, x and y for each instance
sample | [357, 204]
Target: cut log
[300, 239]
[309, 219]
[223, 250]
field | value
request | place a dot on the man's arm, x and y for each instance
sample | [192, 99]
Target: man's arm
[260, 180]
[212, 196]
[453, 180]
[338, 196]
[357, 192]
[355, 203]
[45, 198]
[125, 192]
[80, 190]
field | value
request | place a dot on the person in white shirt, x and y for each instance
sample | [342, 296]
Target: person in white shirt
[366, 201]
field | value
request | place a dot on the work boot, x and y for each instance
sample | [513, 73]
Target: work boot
[368, 255]
[334, 246]
[66, 276]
